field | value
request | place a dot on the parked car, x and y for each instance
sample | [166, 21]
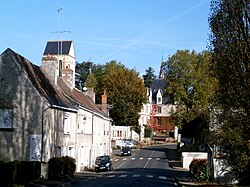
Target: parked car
[130, 143]
[103, 163]
[125, 151]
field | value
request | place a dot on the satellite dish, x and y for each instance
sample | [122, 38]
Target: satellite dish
[84, 89]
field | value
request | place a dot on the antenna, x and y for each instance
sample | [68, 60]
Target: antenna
[61, 32]
[58, 27]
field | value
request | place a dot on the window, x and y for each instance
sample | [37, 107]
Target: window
[159, 110]
[6, 116]
[67, 123]
[81, 123]
[159, 100]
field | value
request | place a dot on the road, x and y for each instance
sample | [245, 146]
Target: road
[147, 167]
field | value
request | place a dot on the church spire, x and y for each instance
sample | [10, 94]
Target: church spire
[161, 74]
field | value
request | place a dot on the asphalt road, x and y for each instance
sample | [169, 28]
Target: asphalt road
[146, 167]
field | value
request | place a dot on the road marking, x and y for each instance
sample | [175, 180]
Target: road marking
[162, 177]
[132, 158]
[116, 160]
[157, 158]
[149, 176]
[122, 176]
[141, 158]
[110, 176]
[136, 175]
[124, 159]
[149, 158]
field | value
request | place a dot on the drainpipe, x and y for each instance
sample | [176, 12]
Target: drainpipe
[42, 132]
[92, 143]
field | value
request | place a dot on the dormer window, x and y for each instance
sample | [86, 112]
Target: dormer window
[159, 97]
[159, 101]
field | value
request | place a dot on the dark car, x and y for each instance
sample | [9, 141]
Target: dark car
[103, 163]
[125, 151]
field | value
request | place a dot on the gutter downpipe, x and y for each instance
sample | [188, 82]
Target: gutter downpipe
[42, 141]
[92, 143]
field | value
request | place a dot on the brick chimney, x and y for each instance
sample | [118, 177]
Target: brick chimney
[104, 102]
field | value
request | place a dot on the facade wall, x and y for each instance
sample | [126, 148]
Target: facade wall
[16, 93]
[37, 129]
[144, 116]
[84, 140]
[101, 137]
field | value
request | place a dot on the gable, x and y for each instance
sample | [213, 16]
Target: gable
[38, 80]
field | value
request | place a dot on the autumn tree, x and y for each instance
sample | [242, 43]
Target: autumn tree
[125, 89]
[193, 87]
[126, 93]
[230, 42]
[149, 77]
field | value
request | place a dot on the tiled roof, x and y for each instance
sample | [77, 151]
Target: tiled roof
[52, 47]
[160, 83]
[53, 95]
[79, 97]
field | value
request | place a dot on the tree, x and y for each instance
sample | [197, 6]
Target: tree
[126, 93]
[125, 90]
[193, 87]
[84, 68]
[91, 81]
[230, 42]
[191, 83]
[149, 76]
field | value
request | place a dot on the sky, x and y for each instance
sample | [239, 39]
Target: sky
[137, 33]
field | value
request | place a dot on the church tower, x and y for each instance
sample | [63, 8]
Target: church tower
[59, 61]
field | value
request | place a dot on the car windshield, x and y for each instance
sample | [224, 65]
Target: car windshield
[102, 158]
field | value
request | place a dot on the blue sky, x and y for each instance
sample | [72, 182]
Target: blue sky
[137, 33]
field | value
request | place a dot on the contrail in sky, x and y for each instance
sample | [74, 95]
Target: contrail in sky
[143, 36]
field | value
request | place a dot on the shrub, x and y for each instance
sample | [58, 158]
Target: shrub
[69, 166]
[17, 172]
[199, 169]
[55, 167]
[61, 166]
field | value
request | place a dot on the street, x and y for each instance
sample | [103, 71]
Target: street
[148, 167]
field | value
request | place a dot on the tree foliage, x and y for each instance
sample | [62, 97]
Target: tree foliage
[125, 90]
[230, 42]
[149, 76]
[191, 83]
[126, 93]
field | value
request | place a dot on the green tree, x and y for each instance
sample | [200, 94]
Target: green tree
[230, 42]
[190, 82]
[126, 93]
[193, 87]
[91, 81]
[149, 76]
[84, 68]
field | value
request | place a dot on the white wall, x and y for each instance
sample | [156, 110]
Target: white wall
[187, 158]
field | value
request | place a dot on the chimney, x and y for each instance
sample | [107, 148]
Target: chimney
[90, 92]
[67, 75]
[104, 102]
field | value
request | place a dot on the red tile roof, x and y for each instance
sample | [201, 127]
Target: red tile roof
[79, 97]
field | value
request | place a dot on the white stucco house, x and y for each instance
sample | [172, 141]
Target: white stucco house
[156, 113]
[43, 115]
